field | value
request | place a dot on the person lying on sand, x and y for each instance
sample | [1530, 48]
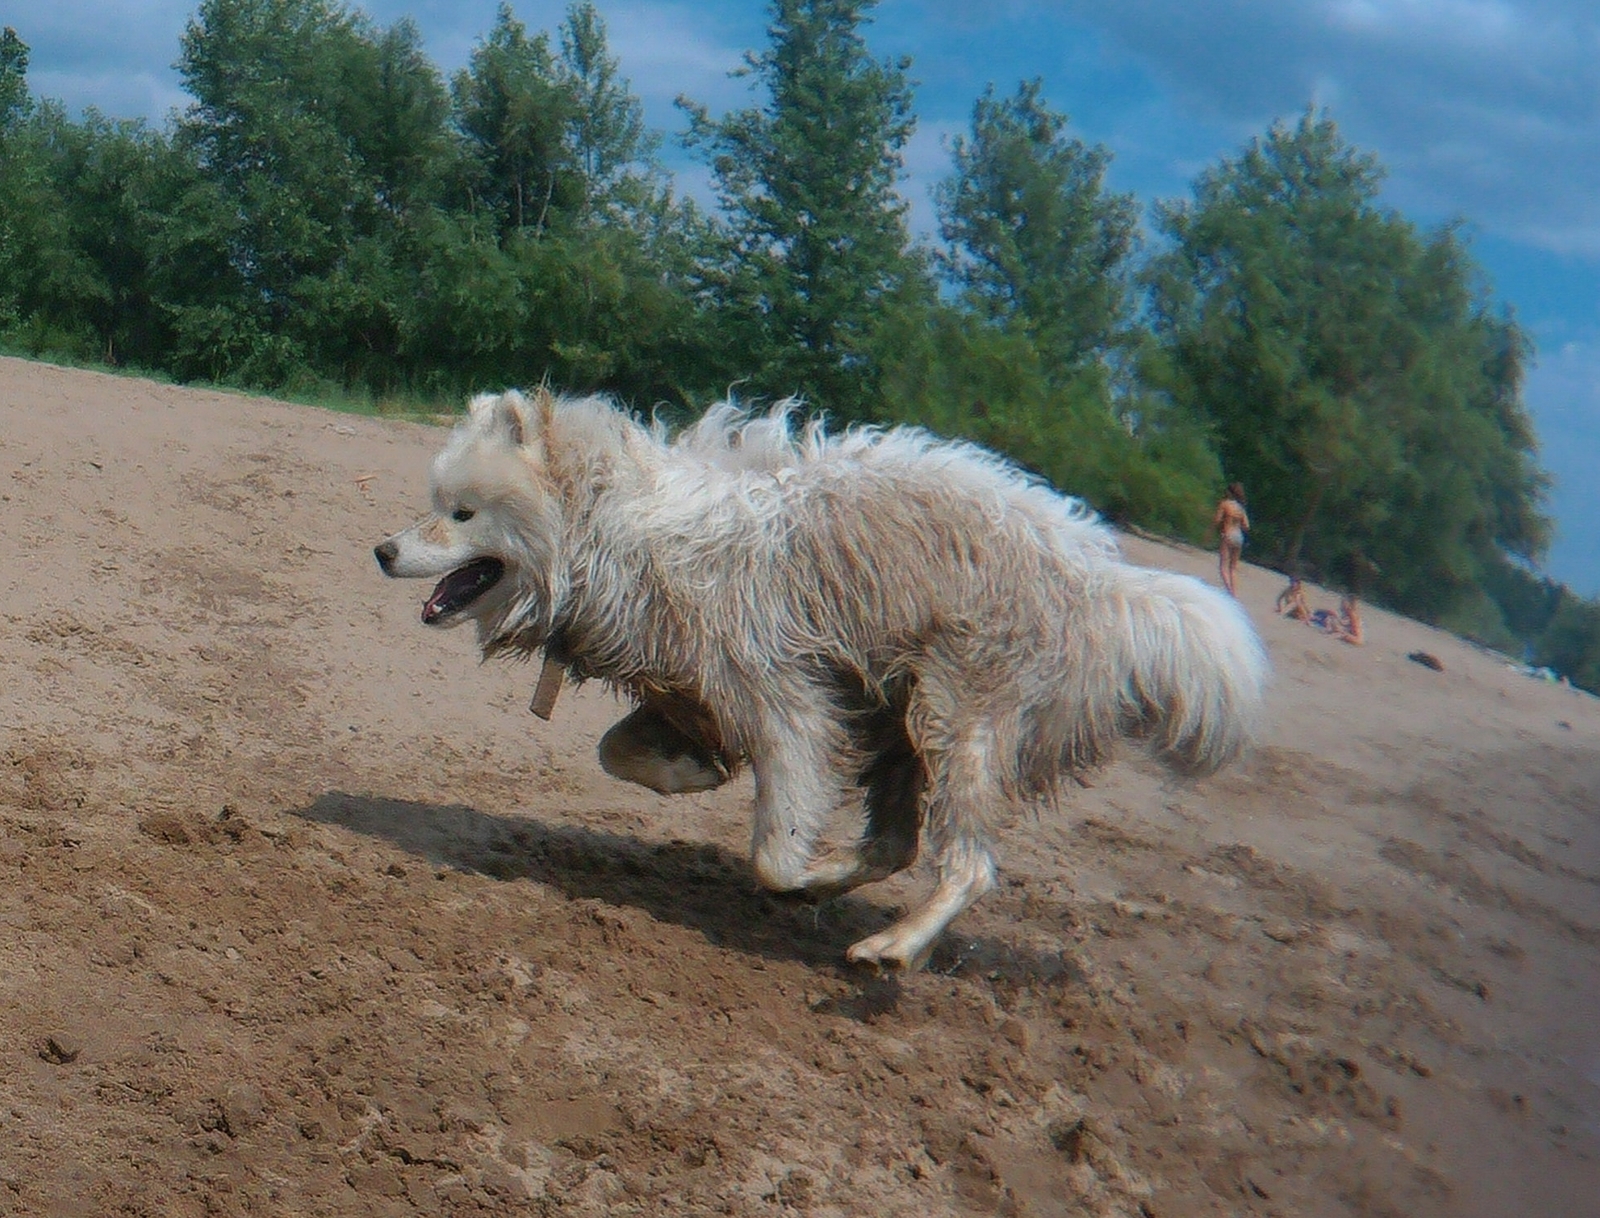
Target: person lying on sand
[1345, 625]
[1292, 601]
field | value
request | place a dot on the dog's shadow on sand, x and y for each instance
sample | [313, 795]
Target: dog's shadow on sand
[693, 884]
[697, 885]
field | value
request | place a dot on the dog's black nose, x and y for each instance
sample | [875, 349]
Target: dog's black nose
[386, 554]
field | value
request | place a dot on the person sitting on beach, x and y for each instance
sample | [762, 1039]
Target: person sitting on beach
[1292, 601]
[1231, 524]
[1350, 621]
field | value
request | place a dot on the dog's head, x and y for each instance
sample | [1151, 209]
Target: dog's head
[492, 539]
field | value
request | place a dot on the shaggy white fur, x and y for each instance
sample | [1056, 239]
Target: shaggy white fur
[873, 608]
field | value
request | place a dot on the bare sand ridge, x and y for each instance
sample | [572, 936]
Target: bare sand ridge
[301, 912]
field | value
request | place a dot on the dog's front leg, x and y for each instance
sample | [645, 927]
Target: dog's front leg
[647, 749]
[798, 784]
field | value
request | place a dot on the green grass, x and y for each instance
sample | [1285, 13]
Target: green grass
[308, 390]
[330, 395]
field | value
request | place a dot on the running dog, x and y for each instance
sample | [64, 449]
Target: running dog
[872, 609]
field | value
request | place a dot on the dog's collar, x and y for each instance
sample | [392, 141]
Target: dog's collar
[552, 674]
[548, 689]
[555, 646]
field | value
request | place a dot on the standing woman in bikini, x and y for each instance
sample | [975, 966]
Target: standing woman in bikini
[1231, 524]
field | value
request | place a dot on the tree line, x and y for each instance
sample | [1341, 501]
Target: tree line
[330, 210]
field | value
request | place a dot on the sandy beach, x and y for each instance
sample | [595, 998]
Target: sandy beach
[302, 912]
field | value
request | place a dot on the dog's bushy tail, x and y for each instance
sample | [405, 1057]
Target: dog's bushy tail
[1189, 670]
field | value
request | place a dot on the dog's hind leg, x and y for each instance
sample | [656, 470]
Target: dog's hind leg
[964, 790]
[647, 749]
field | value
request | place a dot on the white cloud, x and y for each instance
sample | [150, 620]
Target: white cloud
[115, 94]
[1469, 103]
[1470, 22]
[668, 49]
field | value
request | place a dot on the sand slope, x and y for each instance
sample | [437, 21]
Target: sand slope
[302, 913]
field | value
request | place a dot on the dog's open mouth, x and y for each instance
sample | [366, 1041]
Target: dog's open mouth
[461, 587]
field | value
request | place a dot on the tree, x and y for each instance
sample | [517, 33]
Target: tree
[815, 251]
[1571, 643]
[1036, 361]
[1357, 379]
[84, 212]
[122, 184]
[46, 283]
[606, 137]
[321, 139]
[953, 371]
[19, 180]
[514, 115]
[587, 285]
[1036, 243]
[13, 76]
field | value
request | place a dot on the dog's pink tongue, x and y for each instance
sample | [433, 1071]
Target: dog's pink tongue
[434, 606]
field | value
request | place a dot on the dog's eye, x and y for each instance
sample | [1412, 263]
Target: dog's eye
[463, 514]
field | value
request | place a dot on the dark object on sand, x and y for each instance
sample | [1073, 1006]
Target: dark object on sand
[1427, 660]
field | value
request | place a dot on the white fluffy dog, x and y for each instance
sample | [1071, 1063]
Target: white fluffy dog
[872, 609]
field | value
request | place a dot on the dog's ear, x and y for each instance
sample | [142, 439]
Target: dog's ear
[504, 416]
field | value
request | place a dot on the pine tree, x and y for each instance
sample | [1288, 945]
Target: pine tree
[815, 250]
[1036, 243]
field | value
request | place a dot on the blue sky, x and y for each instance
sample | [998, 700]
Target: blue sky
[1483, 110]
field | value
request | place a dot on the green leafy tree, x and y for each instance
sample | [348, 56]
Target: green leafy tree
[1034, 361]
[514, 115]
[19, 179]
[85, 209]
[76, 210]
[321, 137]
[123, 184]
[610, 146]
[13, 76]
[955, 372]
[1355, 375]
[1526, 600]
[50, 288]
[589, 285]
[815, 250]
[1036, 243]
[1570, 644]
